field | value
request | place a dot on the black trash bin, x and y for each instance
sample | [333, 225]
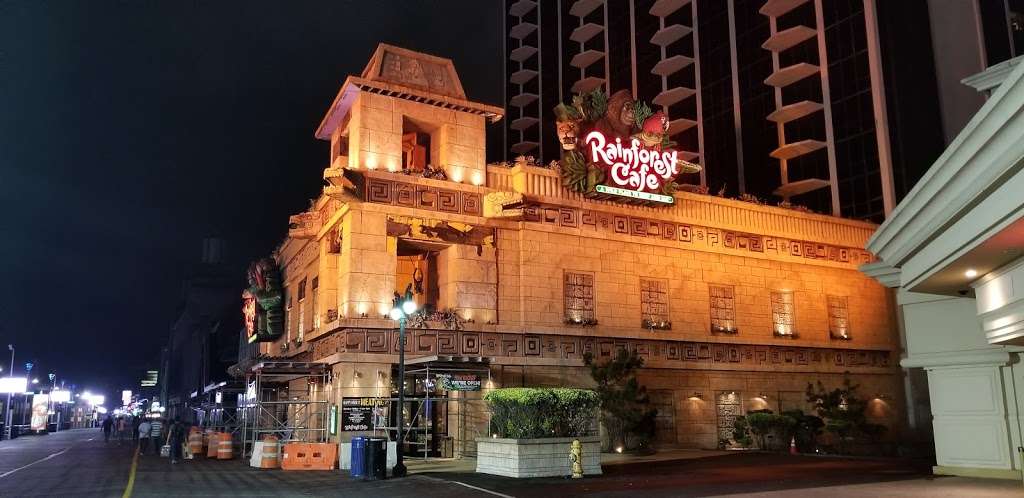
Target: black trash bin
[376, 458]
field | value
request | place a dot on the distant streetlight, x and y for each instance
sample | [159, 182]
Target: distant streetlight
[7, 406]
[402, 307]
[35, 381]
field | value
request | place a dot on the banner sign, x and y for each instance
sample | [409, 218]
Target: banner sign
[363, 414]
[459, 382]
[618, 148]
[40, 411]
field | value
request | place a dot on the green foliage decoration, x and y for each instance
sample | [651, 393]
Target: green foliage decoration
[531, 413]
[843, 412]
[641, 111]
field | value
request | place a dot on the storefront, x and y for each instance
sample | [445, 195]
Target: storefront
[520, 269]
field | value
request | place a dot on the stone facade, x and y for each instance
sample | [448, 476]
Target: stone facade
[538, 276]
[535, 457]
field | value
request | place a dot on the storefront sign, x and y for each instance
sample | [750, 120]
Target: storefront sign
[362, 414]
[459, 382]
[617, 147]
[40, 411]
[13, 385]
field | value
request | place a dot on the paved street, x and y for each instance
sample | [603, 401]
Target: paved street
[78, 463]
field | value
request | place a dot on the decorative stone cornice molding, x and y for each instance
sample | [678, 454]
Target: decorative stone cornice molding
[979, 160]
[987, 80]
[996, 357]
[884, 273]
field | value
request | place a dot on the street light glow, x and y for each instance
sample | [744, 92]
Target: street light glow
[395, 314]
[409, 307]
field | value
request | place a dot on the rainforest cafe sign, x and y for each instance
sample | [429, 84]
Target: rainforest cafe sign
[635, 171]
[617, 147]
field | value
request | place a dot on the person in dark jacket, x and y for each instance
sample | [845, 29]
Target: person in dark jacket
[108, 425]
[176, 438]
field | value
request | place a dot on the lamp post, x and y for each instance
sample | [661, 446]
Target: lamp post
[402, 307]
[7, 416]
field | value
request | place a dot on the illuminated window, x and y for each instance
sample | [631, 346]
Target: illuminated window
[654, 304]
[579, 298]
[302, 310]
[315, 310]
[838, 317]
[723, 308]
[783, 311]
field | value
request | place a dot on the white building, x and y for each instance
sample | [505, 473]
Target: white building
[953, 250]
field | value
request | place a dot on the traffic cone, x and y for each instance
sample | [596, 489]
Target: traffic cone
[792, 446]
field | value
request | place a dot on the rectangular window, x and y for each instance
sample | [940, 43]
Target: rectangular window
[316, 311]
[723, 308]
[838, 318]
[783, 309]
[302, 311]
[579, 299]
[654, 304]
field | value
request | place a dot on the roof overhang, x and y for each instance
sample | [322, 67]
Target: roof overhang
[354, 85]
[967, 210]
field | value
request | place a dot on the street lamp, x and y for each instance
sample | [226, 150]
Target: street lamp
[7, 416]
[402, 306]
[35, 381]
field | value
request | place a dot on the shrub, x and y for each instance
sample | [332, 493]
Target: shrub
[528, 413]
[626, 410]
[807, 429]
[772, 431]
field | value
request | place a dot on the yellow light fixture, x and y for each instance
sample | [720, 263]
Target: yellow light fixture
[971, 273]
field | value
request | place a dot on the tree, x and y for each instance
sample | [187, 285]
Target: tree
[625, 407]
[843, 412]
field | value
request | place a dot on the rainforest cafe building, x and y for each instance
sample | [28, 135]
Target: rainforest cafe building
[518, 271]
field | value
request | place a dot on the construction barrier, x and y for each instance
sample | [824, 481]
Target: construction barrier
[212, 446]
[225, 451]
[309, 456]
[195, 442]
[269, 458]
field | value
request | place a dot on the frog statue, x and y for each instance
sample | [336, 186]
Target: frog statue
[262, 300]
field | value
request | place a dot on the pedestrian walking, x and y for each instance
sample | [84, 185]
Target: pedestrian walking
[136, 422]
[143, 435]
[122, 429]
[176, 438]
[156, 429]
[107, 425]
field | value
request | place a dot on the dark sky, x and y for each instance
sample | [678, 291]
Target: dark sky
[130, 130]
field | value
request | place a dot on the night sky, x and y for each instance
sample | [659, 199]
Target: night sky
[130, 130]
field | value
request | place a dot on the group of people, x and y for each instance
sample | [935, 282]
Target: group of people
[155, 432]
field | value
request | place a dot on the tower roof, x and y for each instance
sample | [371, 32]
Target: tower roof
[402, 73]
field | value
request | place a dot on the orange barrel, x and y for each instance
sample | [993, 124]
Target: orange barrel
[224, 449]
[195, 443]
[268, 460]
[206, 438]
[211, 449]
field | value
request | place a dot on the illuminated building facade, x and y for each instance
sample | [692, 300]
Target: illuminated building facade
[733, 305]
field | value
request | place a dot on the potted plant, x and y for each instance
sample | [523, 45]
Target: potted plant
[532, 430]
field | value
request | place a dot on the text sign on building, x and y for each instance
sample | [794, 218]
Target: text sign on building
[618, 148]
[361, 414]
[459, 382]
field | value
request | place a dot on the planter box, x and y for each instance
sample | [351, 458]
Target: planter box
[547, 457]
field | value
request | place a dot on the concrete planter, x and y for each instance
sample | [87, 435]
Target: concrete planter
[548, 457]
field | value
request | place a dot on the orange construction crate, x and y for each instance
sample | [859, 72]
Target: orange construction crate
[309, 456]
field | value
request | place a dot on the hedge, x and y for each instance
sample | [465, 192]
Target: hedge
[530, 413]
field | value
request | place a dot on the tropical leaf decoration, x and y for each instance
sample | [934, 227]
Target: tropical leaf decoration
[641, 111]
[574, 171]
[567, 113]
[591, 106]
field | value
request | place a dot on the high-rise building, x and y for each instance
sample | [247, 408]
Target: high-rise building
[830, 104]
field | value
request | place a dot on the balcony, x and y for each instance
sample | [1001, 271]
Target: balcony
[662, 8]
[791, 74]
[797, 149]
[669, 34]
[795, 111]
[522, 7]
[584, 59]
[789, 38]
[671, 65]
[586, 32]
[522, 53]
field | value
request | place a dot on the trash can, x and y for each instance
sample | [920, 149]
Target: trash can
[376, 459]
[357, 467]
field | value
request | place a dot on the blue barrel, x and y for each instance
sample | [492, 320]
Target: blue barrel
[357, 463]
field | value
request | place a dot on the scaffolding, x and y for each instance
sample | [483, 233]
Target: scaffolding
[271, 405]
